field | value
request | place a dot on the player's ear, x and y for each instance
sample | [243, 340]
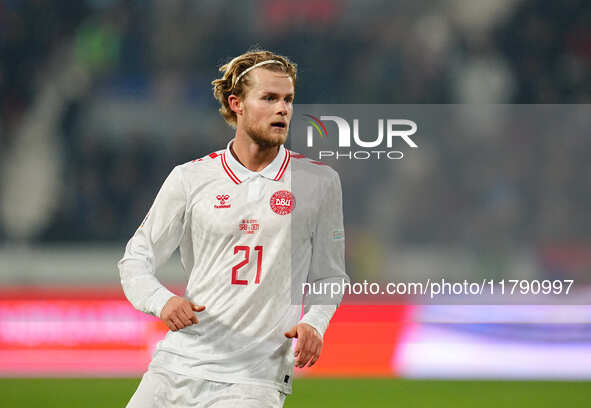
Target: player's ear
[235, 104]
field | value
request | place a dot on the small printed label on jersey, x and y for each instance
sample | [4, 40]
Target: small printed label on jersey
[286, 379]
[248, 226]
[338, 235]
[282, 202]
[222, 201]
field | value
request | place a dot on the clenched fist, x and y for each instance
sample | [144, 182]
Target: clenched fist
[178, 313]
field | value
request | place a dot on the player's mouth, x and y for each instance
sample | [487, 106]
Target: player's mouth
[279, 125]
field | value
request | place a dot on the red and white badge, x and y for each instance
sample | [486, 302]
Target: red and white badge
[282, 202]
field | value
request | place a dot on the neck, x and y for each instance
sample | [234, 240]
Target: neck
[250, 154]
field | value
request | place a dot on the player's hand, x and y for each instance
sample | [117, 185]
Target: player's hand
[309, 344]
[178, 313]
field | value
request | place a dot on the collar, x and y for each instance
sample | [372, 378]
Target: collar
[238, 173]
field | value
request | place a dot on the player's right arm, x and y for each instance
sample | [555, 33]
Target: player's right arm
[151, 245]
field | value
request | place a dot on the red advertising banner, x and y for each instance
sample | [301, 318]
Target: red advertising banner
[98, 333]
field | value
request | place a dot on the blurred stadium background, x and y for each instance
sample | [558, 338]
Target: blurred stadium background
[99, 99]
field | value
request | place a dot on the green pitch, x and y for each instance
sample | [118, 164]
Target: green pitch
[375, 393]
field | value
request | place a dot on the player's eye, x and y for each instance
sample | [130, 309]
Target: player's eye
[269, 98]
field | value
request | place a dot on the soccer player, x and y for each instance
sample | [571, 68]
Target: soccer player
[253, 222]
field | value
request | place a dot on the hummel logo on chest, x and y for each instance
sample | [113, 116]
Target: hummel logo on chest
[223, 199]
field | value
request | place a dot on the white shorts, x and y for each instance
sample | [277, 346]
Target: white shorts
[161, 388]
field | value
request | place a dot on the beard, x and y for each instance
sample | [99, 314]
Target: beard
[267, 138]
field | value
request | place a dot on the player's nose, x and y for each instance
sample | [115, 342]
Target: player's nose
[283, 108]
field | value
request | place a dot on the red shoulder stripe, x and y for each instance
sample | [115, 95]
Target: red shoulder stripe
[210, 155]
[283, 165]
[228, 170]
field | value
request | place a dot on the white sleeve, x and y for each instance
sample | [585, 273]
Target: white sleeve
[328, 257]
[151, 245]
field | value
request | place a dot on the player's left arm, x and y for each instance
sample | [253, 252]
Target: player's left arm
[327, 266]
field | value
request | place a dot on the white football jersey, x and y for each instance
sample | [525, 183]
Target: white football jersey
[247, 241]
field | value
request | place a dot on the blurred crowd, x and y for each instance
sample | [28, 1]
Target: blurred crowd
[165, 53]
[29, 32]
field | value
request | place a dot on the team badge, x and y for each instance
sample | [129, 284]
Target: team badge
[223, 201]
[282, 202]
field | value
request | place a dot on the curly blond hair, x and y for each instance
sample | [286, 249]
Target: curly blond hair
[232, 83]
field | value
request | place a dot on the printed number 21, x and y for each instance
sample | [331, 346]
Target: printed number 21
[246, 250]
